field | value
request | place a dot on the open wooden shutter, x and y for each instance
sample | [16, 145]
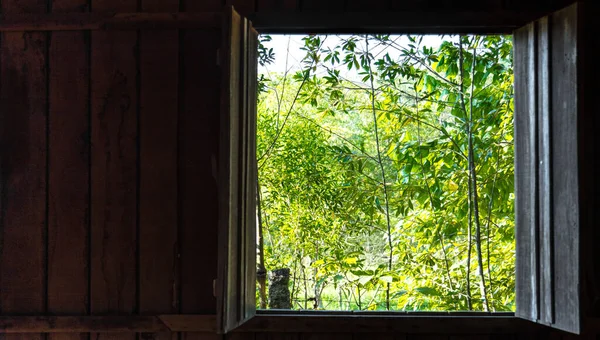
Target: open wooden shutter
[547, 57]
[236, 286]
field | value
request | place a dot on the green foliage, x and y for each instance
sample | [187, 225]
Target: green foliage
[353, 241]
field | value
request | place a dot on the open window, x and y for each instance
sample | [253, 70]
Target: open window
[549, 154]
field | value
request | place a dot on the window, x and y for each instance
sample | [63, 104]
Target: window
[550, 179]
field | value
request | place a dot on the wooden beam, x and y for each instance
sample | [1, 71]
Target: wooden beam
[108, 21]
[415, 22]
[421, 323]
[107, 324]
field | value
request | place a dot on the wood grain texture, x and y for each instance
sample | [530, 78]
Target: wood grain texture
[68, 171]
[158, 127]
[546, 239]
[198, 135]
[565, 193]
[197, 189]
[159, 249]
[114, 170]
[23, 168]
[66, 325]
[526, 173]
[23, 105]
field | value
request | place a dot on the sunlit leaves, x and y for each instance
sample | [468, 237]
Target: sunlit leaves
[322, 195]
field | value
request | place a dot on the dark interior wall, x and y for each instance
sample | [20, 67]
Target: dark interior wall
[108, 149]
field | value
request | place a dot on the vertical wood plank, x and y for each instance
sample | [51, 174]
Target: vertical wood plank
[197, 189]
[114, 172]
[158, 255]
[23, 168]
[114, 169]
[565, 110]
[544, 173]
[249, 200]
[158, 206]
[24, 152]
[525, 172]
[69, 172]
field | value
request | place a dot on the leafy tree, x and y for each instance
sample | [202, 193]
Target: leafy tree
[386, 173]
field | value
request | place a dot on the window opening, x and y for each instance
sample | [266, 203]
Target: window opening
[385, 173]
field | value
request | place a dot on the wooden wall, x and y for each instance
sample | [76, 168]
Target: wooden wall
[108, 144]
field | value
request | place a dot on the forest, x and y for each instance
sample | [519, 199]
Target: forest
[386, 172]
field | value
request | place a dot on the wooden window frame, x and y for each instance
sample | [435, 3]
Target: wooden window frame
[494, 23]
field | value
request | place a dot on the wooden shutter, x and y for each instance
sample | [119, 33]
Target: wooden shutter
[547, 164]
[236, 285]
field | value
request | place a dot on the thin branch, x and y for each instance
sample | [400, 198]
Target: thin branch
[473, 172]
[385, 191]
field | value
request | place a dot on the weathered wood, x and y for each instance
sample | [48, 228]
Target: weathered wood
[424, 22]
[402, 324]
[565, 112]
[198, 121]
[159, 276]
[114, 172]
[250, 196]
[158, 127]
[230, 301]
[197, 163]
[69, 172]
[197, 189]
[236, 288]
[107, 324]
[190, 323]
[526, 212]
[108, 21]
[23, 168]
[114, 270]
[546, 238]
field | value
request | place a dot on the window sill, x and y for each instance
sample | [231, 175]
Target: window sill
[386, 322]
